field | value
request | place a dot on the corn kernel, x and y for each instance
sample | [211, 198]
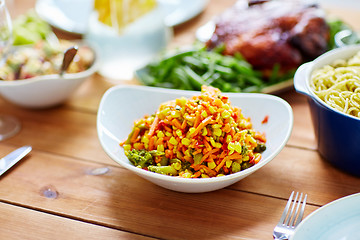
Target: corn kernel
[226, 106]
[231, 146]
[228, 138]
[164, 112]
[218, 102]
[217, 132]
[204, 131]
[179, 132]
[225, 114]
[228, 163]
[204, 114]
[160, 134]
[176, 165]
[175, 114]
[191, 130]
[212, 141]
[214, 126]
[211, 165]
[238, 147]
[127, 147]
[173, 141]
[160, 148]
[204, 176]
[168, 134]
[212, 110]
[187, 153]
[145, 139]
[185, 141]
[181, 101]
[251, 140]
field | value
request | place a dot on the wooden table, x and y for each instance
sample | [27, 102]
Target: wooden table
[55, 193]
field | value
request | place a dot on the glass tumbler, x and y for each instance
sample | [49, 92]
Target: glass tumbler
[126, 35]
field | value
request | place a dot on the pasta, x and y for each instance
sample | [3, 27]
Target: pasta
[338, 85]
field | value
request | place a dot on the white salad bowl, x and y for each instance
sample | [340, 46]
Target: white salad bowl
[122, 105]
[46, 90]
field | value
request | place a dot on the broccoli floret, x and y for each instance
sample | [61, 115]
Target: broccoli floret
[140, 158]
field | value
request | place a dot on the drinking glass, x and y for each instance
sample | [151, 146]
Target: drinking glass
[9, 125]
[124, 49]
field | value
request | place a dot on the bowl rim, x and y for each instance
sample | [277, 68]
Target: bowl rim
[316, 64]
[66, 77]
[176, 179]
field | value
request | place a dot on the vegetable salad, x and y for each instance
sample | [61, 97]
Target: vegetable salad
[43, 59]
[200, 137]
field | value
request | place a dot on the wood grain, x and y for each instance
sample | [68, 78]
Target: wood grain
[42, 226]
[68, 188]
[120, 199]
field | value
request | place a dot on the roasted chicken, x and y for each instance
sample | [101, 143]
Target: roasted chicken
[269, 33]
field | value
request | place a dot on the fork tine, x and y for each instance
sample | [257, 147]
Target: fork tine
[292, 209]
[297, 209]
[301, 211]
[283, 216]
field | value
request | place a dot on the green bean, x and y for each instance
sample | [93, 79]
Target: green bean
[190, 70]
[195, 80]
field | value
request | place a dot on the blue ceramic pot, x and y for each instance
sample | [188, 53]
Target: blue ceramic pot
[337, 134]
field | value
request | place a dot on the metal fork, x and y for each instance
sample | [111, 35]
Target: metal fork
[290, 219]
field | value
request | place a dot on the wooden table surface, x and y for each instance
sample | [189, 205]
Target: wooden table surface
[55, 193]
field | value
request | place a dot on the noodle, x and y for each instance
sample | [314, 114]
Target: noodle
[338, 85]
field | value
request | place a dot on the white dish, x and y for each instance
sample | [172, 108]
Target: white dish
[47, 90]
[338, 220]
[72, 16]
[121, 105]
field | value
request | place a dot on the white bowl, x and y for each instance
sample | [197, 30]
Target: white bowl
[121, 105]
[47, 90]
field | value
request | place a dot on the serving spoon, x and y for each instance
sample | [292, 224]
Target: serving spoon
[69, 55]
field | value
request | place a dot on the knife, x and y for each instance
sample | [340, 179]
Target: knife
[12, 158]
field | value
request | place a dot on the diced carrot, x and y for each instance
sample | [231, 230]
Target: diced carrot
[183, 125]
[168, 129]
[151, 143]
[209, 153]
[197, 174]
[201, 125]
[153, 125]
[197, 120]
[135, 134]
[176, 123]
[220, 165]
